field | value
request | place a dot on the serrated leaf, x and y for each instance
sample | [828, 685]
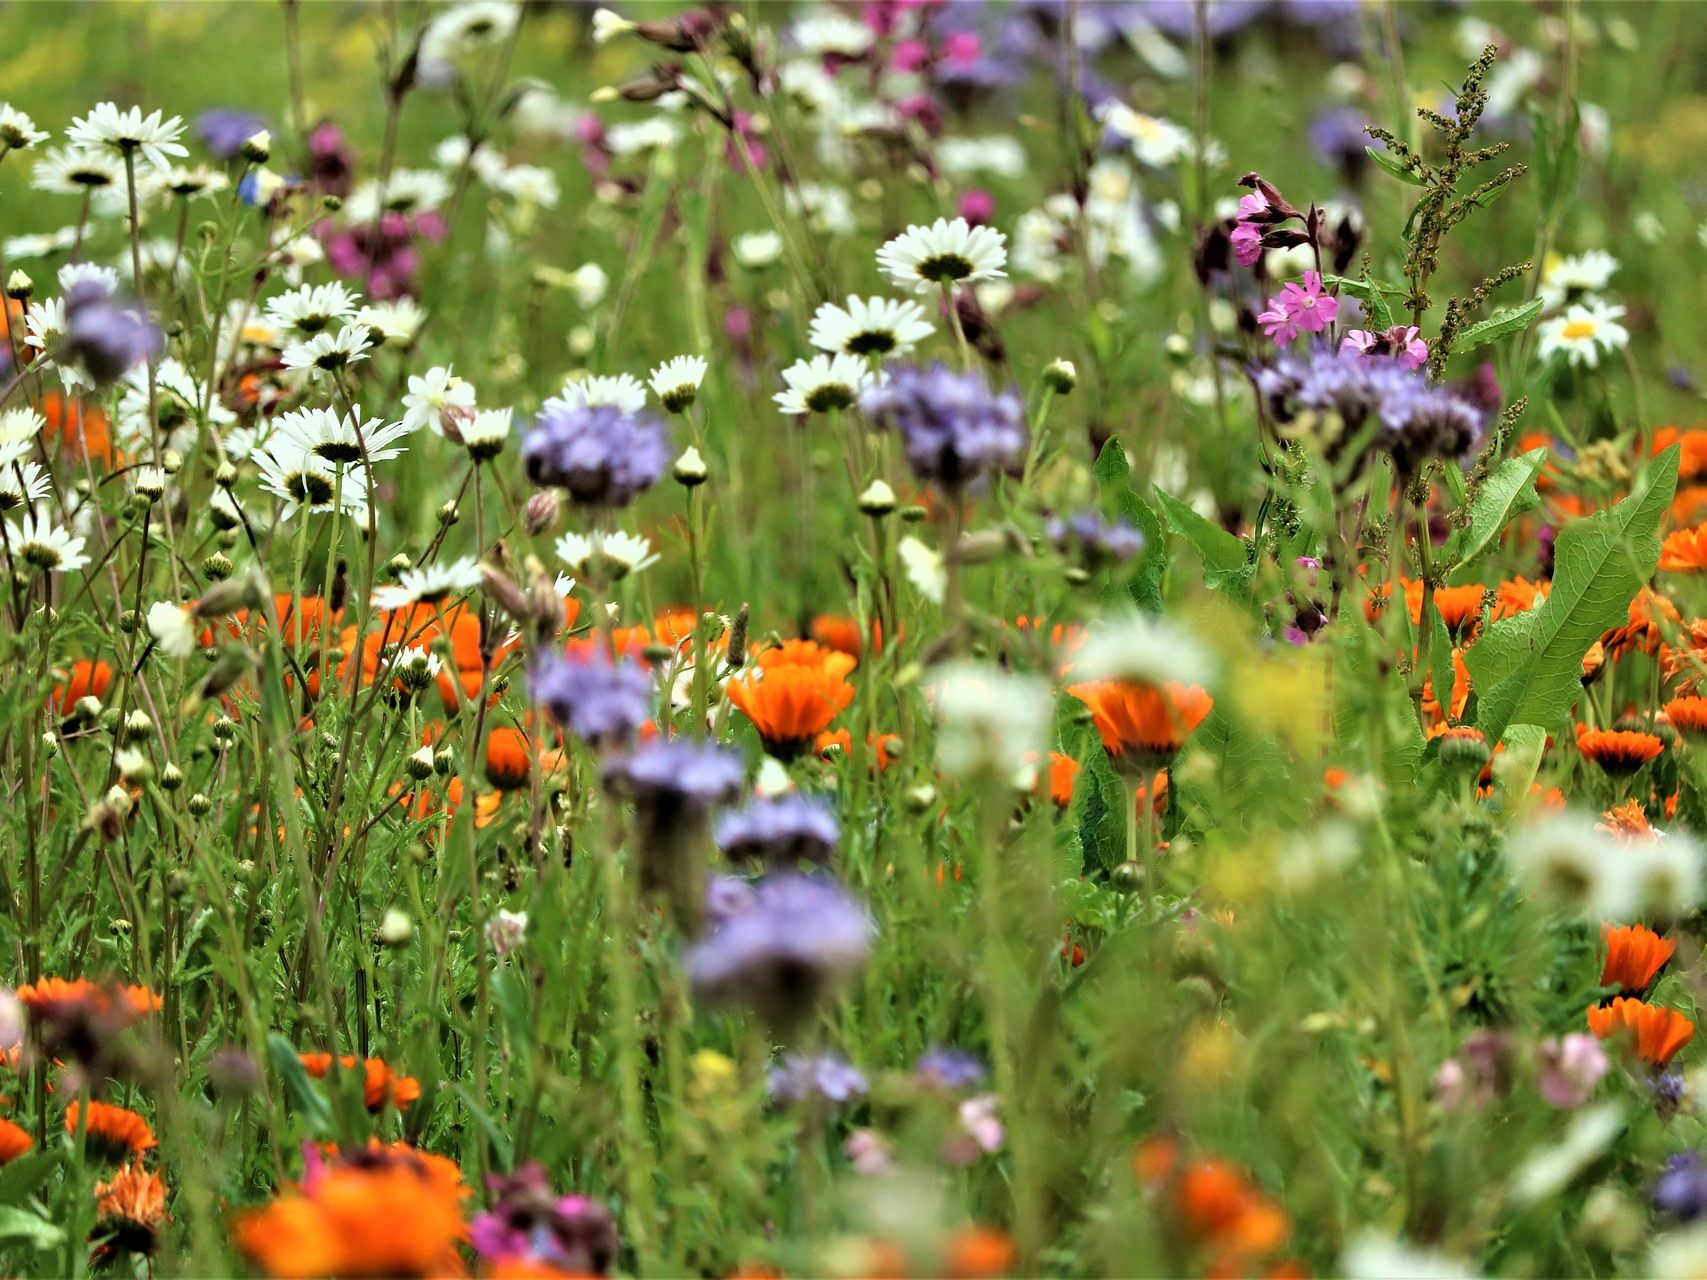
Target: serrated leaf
[1527, 669]
[1395, 166]
[1507, 322]
[1102, 811]
[1143, 586]
[1372, 293]
[1226, 560]
[1508, 491]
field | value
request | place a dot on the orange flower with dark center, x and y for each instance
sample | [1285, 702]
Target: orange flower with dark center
[1685, 551]
[804, 653]
[78, 1020]
[380, 1085]
[378, 1213]
[979, 1253]
[1651, 1033]
[82, 679]
[426, 803]
[791, 703]
[1519, 595]
[1627, 821]
[14, 1141]
[1688, 715]
[1620, 752]
[1143, 726]
[47, 997]
[1643, 632]
[1460, 608]
[1594, 662]
[837, 744]
[129, 1210]
[1635, 954]
[509, 758]
[113, 1132]
[1220, 1207]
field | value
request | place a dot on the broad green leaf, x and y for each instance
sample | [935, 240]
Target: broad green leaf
[1524, 744]
[1395, 166]
[1503, 325]
[1507, 492]
[1143, 585]
[1102, 811]
[1226, 560]
[20, 1224]
[25, 1176]
[1372, 293]
[309, 1100]
[1527, 669]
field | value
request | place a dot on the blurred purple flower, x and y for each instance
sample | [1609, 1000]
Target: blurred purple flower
[224, 130]
[104, 335]
[800, 1077]
[1682, 1188]
[952, 426]
[598, 701]
[527, 1223]
[599, 454]
[785, 831]
[949, 1068]
[1570, 1068]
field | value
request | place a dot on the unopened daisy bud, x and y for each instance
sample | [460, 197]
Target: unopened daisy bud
[257, 148]
[137, 725]
[878, 500]
[914, 514]
[540, 512]
[331, 204]
[225, 728]
[417, 670]
[1060, 377]
[199, 805]
[690, 470]
[171, 778]
[444, 761]
[218, 567]
[500, 685]
[420, 765]
[86, 708]
[171, 462]
[150, 483]
[655, 653]
[448, 514]
[399, 565]
[920, 798]
[50, 744]
[134, 767]
[225, 477]
[106, 816]
[129, 621]
[396, 929]
[19, 286]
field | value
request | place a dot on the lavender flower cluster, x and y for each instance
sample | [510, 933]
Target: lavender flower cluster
[599, 454]
[599, 701]
[953, 427]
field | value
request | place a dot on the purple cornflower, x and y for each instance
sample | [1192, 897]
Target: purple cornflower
[1096, 540]
[1400, 343]
[225, 129]
[801, 939]
[1682, 1188]
[527, 1223]
[1299, 308]
[104, 335]
[598, 454]
[599, 701]
[785, 831]
[949, 1068]
[952, 426]
[800, 1077]
[1570, 1068]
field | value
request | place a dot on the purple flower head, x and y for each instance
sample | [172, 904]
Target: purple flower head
[949, 1068]
[679, 773]
[105, 335]
[599, 701]
[786, 831]
[1669, 1092]
[598, 454]
[1682, 1188]
[801, 1077]
[1096, 541]
[952, 426]
[527, 1223]
[1337, 137]
[800, 940]
[726, 896]
[225, 129]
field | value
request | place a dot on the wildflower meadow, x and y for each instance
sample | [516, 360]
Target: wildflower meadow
[890, 638]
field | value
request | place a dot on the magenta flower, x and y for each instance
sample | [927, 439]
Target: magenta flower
[1570, 1068]
[1247, 242]
[1299, 308]
[1401, 343]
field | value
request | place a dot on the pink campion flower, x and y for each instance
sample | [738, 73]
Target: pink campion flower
[962, 48]
[977, 206]
[909, 55]
[1299, 308]
[1401, 343]
[1247, 242]
[1570, 1068]
[1277, 322]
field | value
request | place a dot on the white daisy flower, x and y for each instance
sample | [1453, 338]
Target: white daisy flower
[173, 628]
[177, 406]
[342, 441]
[1000, 155]
[486, 434]
[240, 443]
[191, 182]
[1583, 332]
[1569, 279]
[44, 323]
[1566, 863]
[924, 568]
[43, 245]
[295, 254]
[39, 542]
[17, 131]
[465, 28]
[18, 431]
[589, 282]
[623, 390]
[405, 191]
[431, 395]
[632, 137]
[396, 321]
[676, 382]
[825, 210]
[327, 352]
[1143, 649]
[74, 171]
[989, 721]
[823, 383]
[73, 274]
[948, 252]
[311, 308]
[429, 585]
[22, 484]
[1156, 142]
[805, 82]
[869, 327]
[626, 552]
[154, 136]
[528, 184]
[830, 32]
[757, 249]
[303, 480]
[483, 162]
[1667, 873]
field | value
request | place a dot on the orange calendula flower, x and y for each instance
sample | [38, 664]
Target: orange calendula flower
[1650, 1032]
[1635, 954]
[82, 679]
[1685, 551]
[791, 703]
[113, 1132]
[1063, 777]
[14, 1141]
[129, 1210]
[390, 1211]
[380, 1086]
[509, 758]
[1686, 662]
[1692, 450]
[1143, 726]
[1460, 692]
[51, 999]
[1460, 608]
[80, 428]
[1519, 595]
[1620, 752]
[841, 631]
[1688, 715]
[837, 744]
[979, 1253]
[1627, 821]
[1649, 615]
[1220, 1207]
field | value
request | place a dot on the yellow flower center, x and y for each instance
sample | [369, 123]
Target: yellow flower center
[1578, 329]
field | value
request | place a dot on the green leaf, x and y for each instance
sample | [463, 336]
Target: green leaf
[20, 1224]
[1395, 166]
[1226, 560]
[1503, 325]
[1441, 670]
[1524, 744]
[1102, 813]
[309, 1100]
[1372, 293]
[25, 1176]
[1143, 585]
[1528, 669]
[1507, 492]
